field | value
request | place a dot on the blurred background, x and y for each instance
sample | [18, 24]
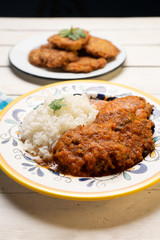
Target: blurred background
[79, 8]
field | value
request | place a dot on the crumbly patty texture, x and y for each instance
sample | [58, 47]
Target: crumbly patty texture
[119, 138]
[67, 43]
[83, 55]
[52, 58]
[34, 58]
[98, 47]
[85, 64]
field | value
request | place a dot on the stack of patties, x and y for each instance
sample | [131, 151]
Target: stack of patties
[74, 50]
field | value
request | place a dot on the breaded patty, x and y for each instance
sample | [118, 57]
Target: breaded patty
[51, 58]
[34, 57]
[98, 47]
[67, 43]
[85, 64]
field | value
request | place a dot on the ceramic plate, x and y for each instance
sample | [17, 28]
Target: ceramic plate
[18, 57]
[20, 166]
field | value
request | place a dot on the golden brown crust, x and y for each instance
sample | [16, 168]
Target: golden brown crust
[67, 43]
[34, 57]
[51, 58]
[98, 47]
[61, 52]
[85, 64]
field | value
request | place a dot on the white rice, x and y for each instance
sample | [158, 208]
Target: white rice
[42, 127]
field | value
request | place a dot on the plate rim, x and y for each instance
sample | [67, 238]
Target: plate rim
[65, 194]
[60, 77]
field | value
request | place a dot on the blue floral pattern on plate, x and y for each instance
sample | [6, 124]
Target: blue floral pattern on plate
[25, 164]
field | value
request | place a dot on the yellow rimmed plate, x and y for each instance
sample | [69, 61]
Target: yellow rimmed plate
[20, 166]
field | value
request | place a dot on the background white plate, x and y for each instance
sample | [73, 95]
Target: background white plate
[18, 57]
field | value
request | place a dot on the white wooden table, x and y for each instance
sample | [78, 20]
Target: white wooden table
[28, 215]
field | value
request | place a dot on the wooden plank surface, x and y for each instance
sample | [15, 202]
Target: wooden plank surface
[127, 37]
[100, 24]
[31, 214]
[41, 217]
[143, 78]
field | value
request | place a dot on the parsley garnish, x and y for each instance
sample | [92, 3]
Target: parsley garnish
[57, 104]
[73, 33]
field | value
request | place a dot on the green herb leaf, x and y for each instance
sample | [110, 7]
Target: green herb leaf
[57, 104]
[80, 32]
[73, 37]
[64, 32]
[73, 33]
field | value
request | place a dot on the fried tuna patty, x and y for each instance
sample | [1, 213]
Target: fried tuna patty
[85, 64]
[98, 47]
[67, 43]
[119, 138]
[51, 58]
